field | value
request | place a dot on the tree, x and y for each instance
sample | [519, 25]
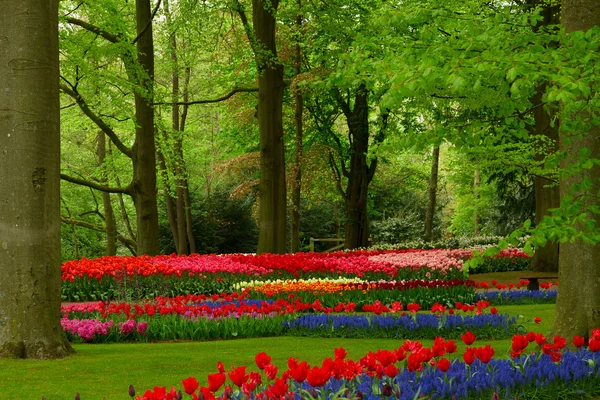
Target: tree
[545, 127]
[29, 217]
[578, 301]
[298, 114]
[433, 184]
[140, 72]
[272, 193]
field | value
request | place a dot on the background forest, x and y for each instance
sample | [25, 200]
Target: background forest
[465, 139]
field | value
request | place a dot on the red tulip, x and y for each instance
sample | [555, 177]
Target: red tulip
[537, 320]
[519, 343]
[300, 371]
[271, 371]
[494, 310]
[317, 377]
[278, 389]
[215, 381]
[485, 354]
[559, 342]
[531, 336]
[238, 375]
[450, 346]
[207, 394]
[468, 338]
[190, 385]
[340, 353]
[391, 370]
[262, 360]
[578, 341]
[594, 345]
[469, 356]
[443, 364]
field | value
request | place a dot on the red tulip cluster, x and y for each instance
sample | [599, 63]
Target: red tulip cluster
[223, 306]
[382, 364]
[356, 263]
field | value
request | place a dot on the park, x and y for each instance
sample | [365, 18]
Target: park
[265, 199]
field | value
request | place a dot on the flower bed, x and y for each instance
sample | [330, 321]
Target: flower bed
[230, 316]
[413, 371]
[148, 277]
[419, 326]
[499, 297]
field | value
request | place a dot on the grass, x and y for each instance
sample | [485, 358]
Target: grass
[98, 371]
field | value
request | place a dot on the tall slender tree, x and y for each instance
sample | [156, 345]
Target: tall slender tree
[272, 188]
[30, 274]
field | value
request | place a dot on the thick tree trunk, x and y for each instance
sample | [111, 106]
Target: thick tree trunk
[357, 225]
[545, 258]
[297, 171]
[144, 151]
[433, 183]
[109, 215]
[272, 212]
[578, 302]
[30, 275]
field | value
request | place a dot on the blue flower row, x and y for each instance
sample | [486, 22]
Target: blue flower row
[518, 296]
[414, 326]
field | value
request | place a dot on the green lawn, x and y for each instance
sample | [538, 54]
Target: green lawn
[98, 371]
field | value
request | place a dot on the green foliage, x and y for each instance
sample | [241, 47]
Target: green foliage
[221, 224]
[458, 242]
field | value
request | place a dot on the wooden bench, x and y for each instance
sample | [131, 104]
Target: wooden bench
[534, 281]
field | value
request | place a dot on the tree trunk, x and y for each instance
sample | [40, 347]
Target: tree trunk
[297, 171]
[357, 228]
[109, 215]
[186, 193]
[545, 258]
[180, 182]
[30, 274]
[144, 151]
[578, 301]
[169, 201]
[272, 212]
[433, 183]
[476, 185]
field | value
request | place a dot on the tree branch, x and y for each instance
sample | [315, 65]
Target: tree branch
[97, 120]
[139, 36]
[129, 243]
[218, 99]
[102, 188]
[94, 29]
[239, 8]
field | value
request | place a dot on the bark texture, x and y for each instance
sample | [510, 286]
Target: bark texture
[30, 274]
[297, 171]
[272, 189]
[109, 215]
[547, 196]
[144, 150]
[357, 224]
[433, 183]
[578, 302]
